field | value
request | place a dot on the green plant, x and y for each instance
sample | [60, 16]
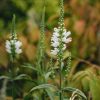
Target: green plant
[13, 47]
[59, 40]
[87, 80]
[42, 70]
[45, 69]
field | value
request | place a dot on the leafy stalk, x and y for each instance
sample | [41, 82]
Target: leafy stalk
[60, 55]
[68, 64]
[13, 36]
[41, 46]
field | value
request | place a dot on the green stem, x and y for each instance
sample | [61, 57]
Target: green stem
[60, 88]
[12, 75]
[13, 90]
[60, 57]
[60, 82]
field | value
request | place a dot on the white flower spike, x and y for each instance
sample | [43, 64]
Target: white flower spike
[55, 39]
[55, 51]
[16, 44]
[13, 45]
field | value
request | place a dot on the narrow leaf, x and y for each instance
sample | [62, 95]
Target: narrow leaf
[70, 89]
[22, 76]
[43, 86]
[50, 94]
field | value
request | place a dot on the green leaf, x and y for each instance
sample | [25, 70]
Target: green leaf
[70, 89]
[21, 76]
[4, 77]
[47, 75]
[95, 87]
[79, 75]
[43, 86]
[50, 94]
[30, 67]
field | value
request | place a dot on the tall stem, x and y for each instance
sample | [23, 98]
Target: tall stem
[60, 56]
[13, 54]
[60, 82]
[13, 90]
[41, 52]
[12, 76]
[60, 70]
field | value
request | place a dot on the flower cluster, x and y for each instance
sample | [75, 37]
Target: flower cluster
[13, 45]
[55, 39]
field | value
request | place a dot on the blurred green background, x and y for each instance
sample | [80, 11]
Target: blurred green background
[82, 18]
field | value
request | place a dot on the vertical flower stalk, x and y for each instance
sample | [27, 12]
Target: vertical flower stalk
[13, 48]
[58, 41]
[41, 45]
[41, 53]
[13, 45]
[68, 65]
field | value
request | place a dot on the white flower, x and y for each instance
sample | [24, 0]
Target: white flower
[56, 29]
[56, 34]
[66, 34]
[55, 39]
[55, 51]
[17, 46]
[66, 40]
[8, 46]
[55, 44]
[18, 51]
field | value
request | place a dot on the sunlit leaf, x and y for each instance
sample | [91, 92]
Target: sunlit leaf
[70, 89]
[4, 77]
[22, 76]
[43, 86]
[30, 67]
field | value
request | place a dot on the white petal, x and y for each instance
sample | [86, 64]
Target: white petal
[18, 51]
[8, 42]
[8, 46]
[64, 30]
[56, 30]
[56, 34]
[64, 47]
[55, 51]
[66, 40]
[55, 44]
[54, 38]
[66, 34]
[12, 41]
[8, 50]
[18, 44]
